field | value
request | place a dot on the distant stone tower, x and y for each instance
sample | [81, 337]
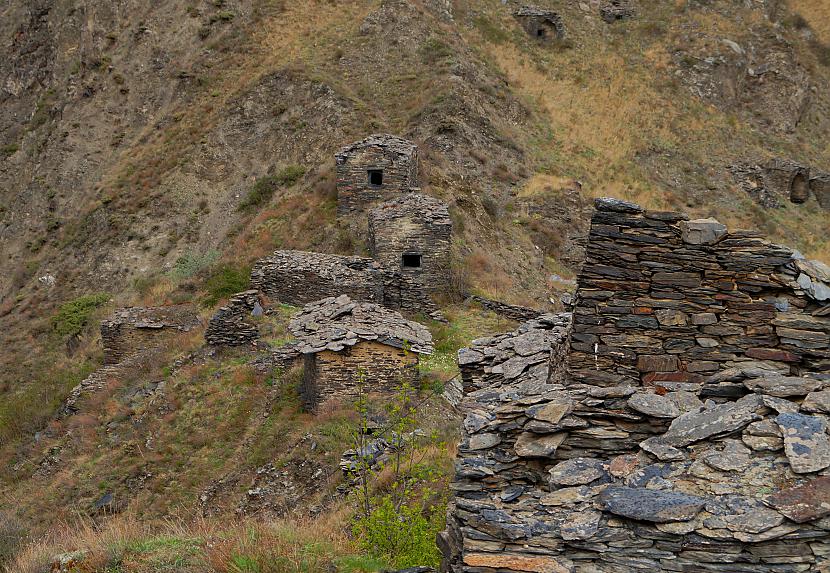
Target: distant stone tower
[544, 25]
[412, 234]
[375, 169]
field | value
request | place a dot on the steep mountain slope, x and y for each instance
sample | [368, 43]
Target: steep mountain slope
[133, 133]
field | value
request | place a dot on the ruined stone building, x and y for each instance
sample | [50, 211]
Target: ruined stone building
[299, 277]
[413, 234]
[681, 426]
[347, 344]
[544, 25]
[375, 169]
[131, 330]
[780, 181]
[233, 323]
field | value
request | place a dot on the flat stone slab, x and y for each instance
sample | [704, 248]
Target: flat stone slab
[530, 445]
[580, 525]
[817, 402]
[651, 505]
[805, 503]
[732, 458]
[717, 421]
[653, 405]
[783, 386]
[577, 471]
[702, 231]
[806, 443]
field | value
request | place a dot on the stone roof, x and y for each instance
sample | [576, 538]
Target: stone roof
[391, 142]
[535, 11]
[336, 267]
[337, 322]
[182, 317]
[422, 206]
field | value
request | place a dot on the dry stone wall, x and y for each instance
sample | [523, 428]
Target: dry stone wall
[664, 300]
[539, 23]
[413, 225]
[396, 161]
[511, 311]
[299, 277]
[131, 330]
[611, 470]
[231, 325]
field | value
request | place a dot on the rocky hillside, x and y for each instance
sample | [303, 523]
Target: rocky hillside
[151, 151]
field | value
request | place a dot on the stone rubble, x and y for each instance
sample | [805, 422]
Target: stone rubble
[649, 450]
[231, 325]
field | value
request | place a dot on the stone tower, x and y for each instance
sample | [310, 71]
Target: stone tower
[375, 169]
[412, 234]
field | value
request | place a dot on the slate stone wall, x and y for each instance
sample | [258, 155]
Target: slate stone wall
[571, 471]
[330, 375]
[397, 158]
[544, 25]
[135, 329]
[413, 224]
[298, 277]
[231, 325]
[663, 300]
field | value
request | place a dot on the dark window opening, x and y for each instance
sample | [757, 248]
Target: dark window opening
[376, 177]
[540, 33]
[411, 261]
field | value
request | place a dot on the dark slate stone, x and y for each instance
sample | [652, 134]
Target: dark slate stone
[805, 442]
[651, 505]
[618, 205]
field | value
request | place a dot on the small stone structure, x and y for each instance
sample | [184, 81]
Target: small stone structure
[374, 169]
[343, 341]
[131, 330]
[511, 311]
[412, 234]
[231, 324]
[299, 277]
[780, 181]
[629, 458]
[544, 25]
[612, 10]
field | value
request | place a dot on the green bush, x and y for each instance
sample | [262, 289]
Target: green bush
[404, 536]
[191, 263]
[265, 187]
[225, 281]
[73, 316]
[9, 149]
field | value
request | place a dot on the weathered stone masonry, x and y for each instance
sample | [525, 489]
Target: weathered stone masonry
[412, 234]
[134, 329]
[231, 325]
[614, 470]
[544, 25]
[375, 169]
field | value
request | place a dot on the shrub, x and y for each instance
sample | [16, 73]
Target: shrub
[403, 536]
[265, 187]
[9, 149]
[73, 316]
[224, 282]
[191, 263]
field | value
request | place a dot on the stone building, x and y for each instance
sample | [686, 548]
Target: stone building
[787, 180]
[544, 25]
[135, 329]
[346, 343]
[682, 426]
[374, 169]
[299, 277]
[232, 324]
[413, 234]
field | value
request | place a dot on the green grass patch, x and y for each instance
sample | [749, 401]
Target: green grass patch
[225, 281]
[72, 317]
[265, 187]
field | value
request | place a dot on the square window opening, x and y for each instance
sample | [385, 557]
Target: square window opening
[540, 33]
[411, 261]
[376, 177]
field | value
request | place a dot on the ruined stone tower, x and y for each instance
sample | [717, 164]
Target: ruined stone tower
[544, 25]
[375, 169]
[412, 234]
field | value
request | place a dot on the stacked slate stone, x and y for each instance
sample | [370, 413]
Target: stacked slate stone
[299, 277]
[231, 325]
[636, 459]
[537, 20]
[612, 10]
[335, 323]
[781, 180]
[665, 300]
[405, 291]
[413, 224]
[511, 311]
[133, 329]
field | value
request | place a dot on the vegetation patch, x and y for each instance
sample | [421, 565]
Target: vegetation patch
[265, 187]
[72, 317]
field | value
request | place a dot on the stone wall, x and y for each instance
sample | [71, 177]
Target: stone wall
[299, 277]
[330, 375]
[663, 300]
[613, 469]
[134, 329]
[511, 311]
[231, 325]
[395, 157]
[782, 181]
[418, 225]
[544, 25]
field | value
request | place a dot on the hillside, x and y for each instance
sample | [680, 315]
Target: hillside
[150, 152]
